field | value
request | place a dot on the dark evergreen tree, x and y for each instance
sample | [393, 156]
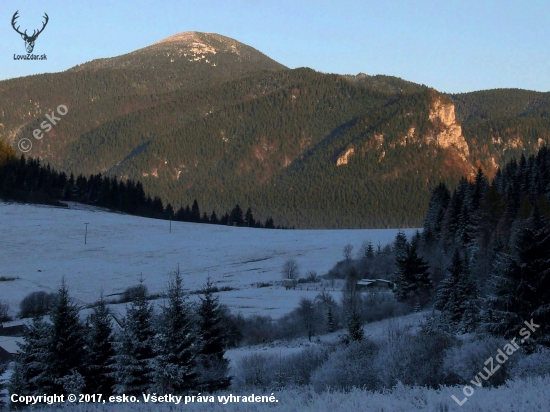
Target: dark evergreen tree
[180, 214]
[3, 368]
[269, 223]
[31, 361]
[214, 218]
[67, 354]
[236, 216]
[132, 368]
[330, 320]
[413, 281]
[169, 212]
[400, 244]
[224, 219]
[174, 364]
[213, 365]
[100, 351]
[249, 218]
[521, 288]
[195, 212]
[457, 298]
[369, 252]
[351, 303]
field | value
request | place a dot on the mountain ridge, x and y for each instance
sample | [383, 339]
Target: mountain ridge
[308, 148]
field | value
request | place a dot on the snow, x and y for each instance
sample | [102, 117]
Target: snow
[519, 395]
[9, 343]
[374, 331]
[40, 244]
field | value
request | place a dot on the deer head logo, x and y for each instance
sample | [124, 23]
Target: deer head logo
[29, 40]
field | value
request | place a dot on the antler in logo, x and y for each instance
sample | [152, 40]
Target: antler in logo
[29, 40]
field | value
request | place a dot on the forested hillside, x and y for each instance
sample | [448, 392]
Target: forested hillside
[201, 116]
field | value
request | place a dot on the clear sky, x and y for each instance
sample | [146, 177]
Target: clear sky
[453, 46]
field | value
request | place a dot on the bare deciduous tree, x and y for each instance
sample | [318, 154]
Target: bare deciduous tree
[306, 311]
[290, 270]
[346, 251]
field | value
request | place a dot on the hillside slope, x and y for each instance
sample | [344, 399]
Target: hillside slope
[199, 115]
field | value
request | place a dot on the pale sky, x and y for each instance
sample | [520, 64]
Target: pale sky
[453, 46]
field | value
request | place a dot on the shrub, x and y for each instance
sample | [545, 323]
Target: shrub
[349, 366]
[312, 277]
[535, 364]
[4, 312]
[468, 358]
[256, 370]
[36, 304]
[413, 359]
[271, 371]
[382, 305]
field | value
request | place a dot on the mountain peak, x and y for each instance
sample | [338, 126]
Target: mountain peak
[191, 58]
[201, 43]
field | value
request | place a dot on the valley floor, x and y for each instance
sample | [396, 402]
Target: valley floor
[40, 244]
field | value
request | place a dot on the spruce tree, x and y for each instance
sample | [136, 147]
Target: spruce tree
[195, 212]
[400, 244]
[330, 320]
[212, 362]
[31, 360]
[369, 252]
[351, 303]
[174, 364]
[249, 218]
[521, 284]
[457, 298]
[214, 218]
[100, 351]
[3, 368]
[134, 353]
[436, 210]
[67, 353]
[412, 277]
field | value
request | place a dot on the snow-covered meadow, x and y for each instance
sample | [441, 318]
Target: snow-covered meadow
[40, 244]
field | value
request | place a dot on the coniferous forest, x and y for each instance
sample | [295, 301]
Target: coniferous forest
[26, 180]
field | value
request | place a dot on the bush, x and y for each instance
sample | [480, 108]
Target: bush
[270, 371]
[413, 359]
[36, 304]
[535, 364]
[382, 305]
[256, 370]
[465, 360]
[349, 366]
[297, 369]
[4, 312]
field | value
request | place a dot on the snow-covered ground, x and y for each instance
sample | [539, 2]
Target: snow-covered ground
[374, 331]
[40, 244]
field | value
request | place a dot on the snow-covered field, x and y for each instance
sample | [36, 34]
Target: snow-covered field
[40, 244]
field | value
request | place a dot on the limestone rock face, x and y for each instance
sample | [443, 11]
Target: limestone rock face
[449, 132]
[344, 157]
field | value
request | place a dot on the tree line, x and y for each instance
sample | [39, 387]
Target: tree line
[181, 349]
[27, 180]
[482, 258]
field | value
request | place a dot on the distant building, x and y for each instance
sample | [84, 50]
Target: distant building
[5, 356]
[375, 284]
[12, 330]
